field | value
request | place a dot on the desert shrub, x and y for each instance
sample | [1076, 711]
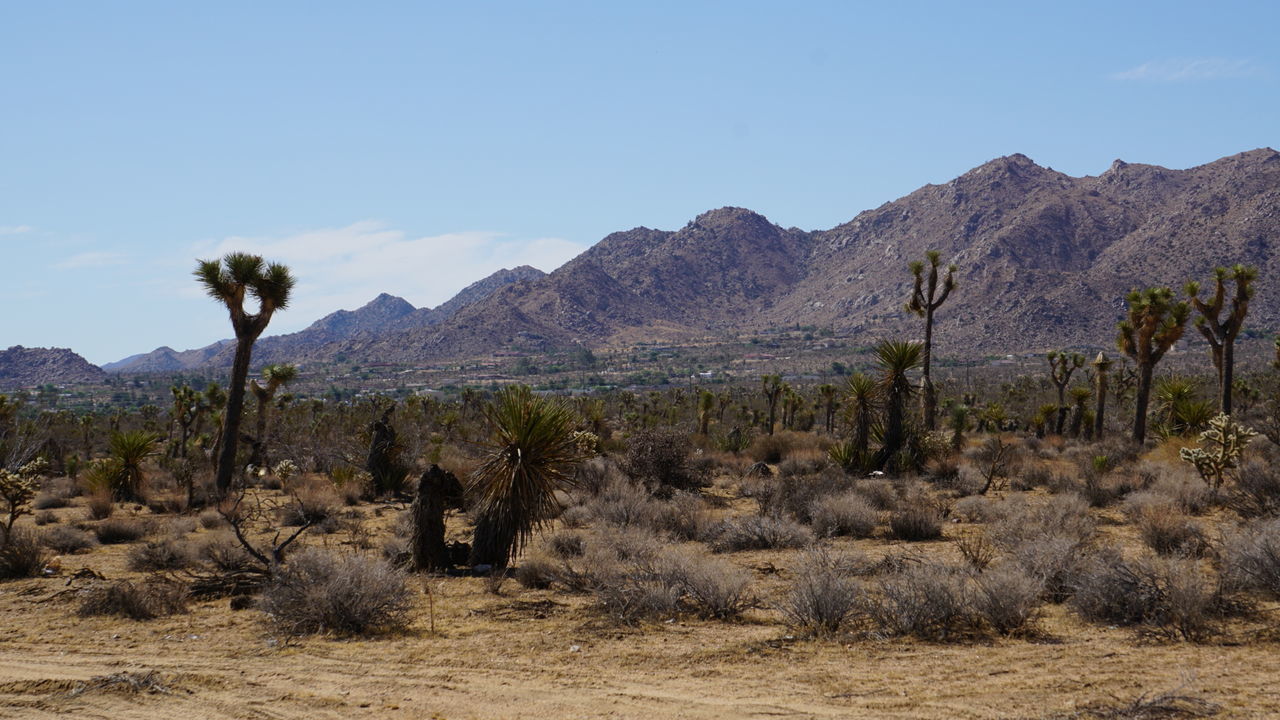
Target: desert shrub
[1139, 503]
[318, 591]
[1061, 515]
[792, 467]
[100, 505]
[759, 533]
[576, 516]
[49, 501]
[1257, 490]
[632, 596]
[916, 522]
[879, 493]
[683, 517]
[537, 571]
[1048, 540]
[224, 554]
[45, 517]
[180, 526]
[67, 540]
[312, 503]
[632, 544]
[566, 544]
[1167, 531]
[594, 474]
[978, 552]
[1251, 557]
[167, 554]
[117, 530]
[167, 504]
[1031, 477]
[929, 601]
[21, 554]
[1166, 596]
[659, 458]
[846, 514]
[150, 598]
[396, 551]
[1007, 597]
[770, 449]
[711, 588]
[624, 504]
[975, 509]
[825, 596]
[1185, 489]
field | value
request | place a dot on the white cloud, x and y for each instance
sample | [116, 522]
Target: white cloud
[1188, 69]
[91, 260]
[347, 267]
[15, 229]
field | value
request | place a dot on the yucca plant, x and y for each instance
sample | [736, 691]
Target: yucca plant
[532, 454]
[861, 403]
[128, 450]
[896, 359]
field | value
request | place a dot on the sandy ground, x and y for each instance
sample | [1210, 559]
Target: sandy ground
[544, 654]
[538, 654]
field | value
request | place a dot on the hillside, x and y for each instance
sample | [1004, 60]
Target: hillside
[22, 367]
[384, 315]
[1044, 258]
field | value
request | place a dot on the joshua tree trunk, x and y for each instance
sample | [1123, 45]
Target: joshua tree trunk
[430, 554]
[1227, 374]
[231, 416]
[1101, 364]
[929, 397]
[1141, 401]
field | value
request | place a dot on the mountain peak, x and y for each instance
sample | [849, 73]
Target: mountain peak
[388, 304]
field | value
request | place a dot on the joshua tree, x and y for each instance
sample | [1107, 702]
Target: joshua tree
[275, 376]
[830, 401]
[1101, 365]
[1221, 333]
[1061, 365]
[772, 386]
[1079, 397]
[860, 408]
[188, 406]
[1154, 323]
[896, 359]
[438, 491]
[532, 455]
[228, 281]
[706, 404]
[926, 298]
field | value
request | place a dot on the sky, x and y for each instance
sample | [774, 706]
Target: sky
[415, 147]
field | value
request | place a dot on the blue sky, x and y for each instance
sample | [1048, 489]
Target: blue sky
[413, 148]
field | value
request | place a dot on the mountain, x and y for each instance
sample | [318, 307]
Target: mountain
[383, 315]
[22, 367]
[1044, 260]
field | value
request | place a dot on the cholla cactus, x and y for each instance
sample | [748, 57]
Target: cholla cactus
[17, 489]
[588, 443]
[1224, 442]
[284, 470]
